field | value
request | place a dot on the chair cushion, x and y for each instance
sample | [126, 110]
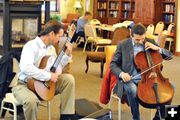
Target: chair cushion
[103, 41]
[96, 56]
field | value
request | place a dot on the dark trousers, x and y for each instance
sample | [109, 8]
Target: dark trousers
[78, 34]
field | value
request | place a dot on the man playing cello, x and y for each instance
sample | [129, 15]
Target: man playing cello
[123, 66]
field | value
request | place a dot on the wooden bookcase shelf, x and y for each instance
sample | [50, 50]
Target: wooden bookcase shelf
[144, 11]
[168, 8]
[113, 11]
[127, 9]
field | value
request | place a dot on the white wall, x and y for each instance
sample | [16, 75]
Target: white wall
[66, 6]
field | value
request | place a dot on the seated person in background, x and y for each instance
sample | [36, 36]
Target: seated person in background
[124, 68]
[80, 26]
[32, 53]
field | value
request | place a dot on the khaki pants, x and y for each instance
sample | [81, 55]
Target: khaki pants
[65, 86]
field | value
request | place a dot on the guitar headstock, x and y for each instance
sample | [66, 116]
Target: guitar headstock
[71, 30]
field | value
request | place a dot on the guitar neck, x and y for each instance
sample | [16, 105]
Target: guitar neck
[59, 57]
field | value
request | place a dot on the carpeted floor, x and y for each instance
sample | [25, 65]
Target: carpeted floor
[89, 86]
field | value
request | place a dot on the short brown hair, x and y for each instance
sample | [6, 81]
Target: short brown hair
[51, 25]
[87, 13]
[138, 29]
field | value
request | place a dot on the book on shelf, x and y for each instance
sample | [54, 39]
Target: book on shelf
[169, 8]
[113, 14]
[126, 15]
[169, 18]
[101, 5]
[127, 6]
[170, 0]
[113, 5]
[101, 14]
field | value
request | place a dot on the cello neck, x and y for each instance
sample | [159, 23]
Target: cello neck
[148, 56]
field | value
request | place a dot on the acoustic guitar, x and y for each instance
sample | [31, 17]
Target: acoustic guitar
[46, 89]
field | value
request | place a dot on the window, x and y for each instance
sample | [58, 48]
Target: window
[54, 5]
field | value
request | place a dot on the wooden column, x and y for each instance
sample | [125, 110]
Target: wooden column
[177, 42]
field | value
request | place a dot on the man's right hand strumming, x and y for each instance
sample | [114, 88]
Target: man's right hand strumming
[54, 77]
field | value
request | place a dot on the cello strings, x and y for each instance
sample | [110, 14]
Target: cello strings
[133, 77]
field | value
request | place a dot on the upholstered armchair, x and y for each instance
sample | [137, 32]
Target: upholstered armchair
[106, 55]
[109, 52]
[67, 21]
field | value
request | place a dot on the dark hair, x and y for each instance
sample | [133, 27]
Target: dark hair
[51, 25]
[74, 21]
[138, 29]
[130, 26]
[87, 13]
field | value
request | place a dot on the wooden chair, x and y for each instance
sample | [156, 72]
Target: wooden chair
[150, 29]
[97, 57]
[159, 28]
[167, 36]
[90, 33]
[170, 35]
[95, 22]
[118, 35]
[10, 99]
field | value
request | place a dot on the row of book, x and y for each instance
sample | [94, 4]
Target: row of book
[101, 14]
[114, 5]
[168, 18]
[127, 6]
[113, 14]
[170, 0]
[169, 8]
[102, 5]
[126, 15]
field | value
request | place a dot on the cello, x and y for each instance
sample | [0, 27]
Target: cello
[153, 89]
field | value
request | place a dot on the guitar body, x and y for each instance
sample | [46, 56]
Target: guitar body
[44, 90]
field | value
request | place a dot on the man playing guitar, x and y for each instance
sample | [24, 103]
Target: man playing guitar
[32, 54]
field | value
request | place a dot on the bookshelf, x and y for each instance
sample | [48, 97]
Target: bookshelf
[168, 11]
[113, 11]
[101, 8]
[107, 11]
[168, 15]
[127, 9]
[144, 11]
